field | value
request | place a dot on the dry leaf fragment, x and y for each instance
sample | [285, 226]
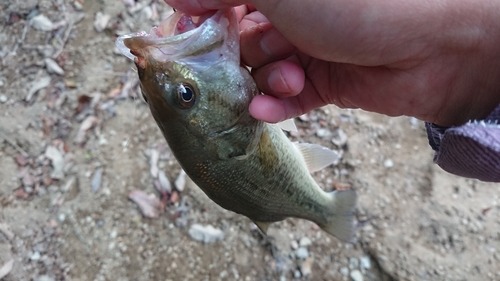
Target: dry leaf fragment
[21, 160]
[86, 125]
[83, 101]
[149, 205]
[53, 67]
[6, 268]
[4, 228]
[41, 22]
[20, 193]
[57, 160]
[36, 86]
[101, 21]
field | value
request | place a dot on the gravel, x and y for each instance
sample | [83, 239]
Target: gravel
[205, 234]
[356, 275]
[302, 253]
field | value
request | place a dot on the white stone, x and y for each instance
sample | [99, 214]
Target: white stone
[356, 275]
[302, 253]
[365, 263]
[41, 22]
[305, 241]
[205, 234]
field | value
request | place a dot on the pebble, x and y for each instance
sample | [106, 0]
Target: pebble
[344, 271]
[41, 22]
[35, 256]
[101, 21]
[365, 263]
[294, 245]
[180, 182]
[53, 67]
[3, 98]
[164, 182]
[414, 121]
[61, 217]
[296, 274]
[356, 275]
[44, 278]
[323, 133]
[340, 138]
[302, 253]
[353, 263]
[306, 266]
[205, 234]
[100, 223]
[96, 181]
[223, 274]
[305, 241]
[388, 163]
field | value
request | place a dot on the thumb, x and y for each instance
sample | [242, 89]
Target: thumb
[199, 7]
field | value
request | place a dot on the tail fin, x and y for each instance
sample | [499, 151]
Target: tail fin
[341, 223]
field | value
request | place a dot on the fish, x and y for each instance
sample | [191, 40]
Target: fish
[199, 94]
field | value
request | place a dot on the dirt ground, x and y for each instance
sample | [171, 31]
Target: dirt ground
[76, 139]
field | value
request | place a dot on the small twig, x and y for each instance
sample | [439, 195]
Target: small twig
[23, 36]
[65, 39]
[4, 228]
[17, 147]
[72, 222]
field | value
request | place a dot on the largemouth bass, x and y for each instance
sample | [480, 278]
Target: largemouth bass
[199, 95]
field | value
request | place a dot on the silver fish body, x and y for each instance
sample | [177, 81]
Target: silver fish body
[199, 95]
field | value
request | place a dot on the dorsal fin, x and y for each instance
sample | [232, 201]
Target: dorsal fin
[288, 125]
[316, 156]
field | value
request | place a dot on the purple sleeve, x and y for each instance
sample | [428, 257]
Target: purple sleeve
[471, 150]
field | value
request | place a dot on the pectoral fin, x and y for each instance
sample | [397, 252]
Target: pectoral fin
[316, 156]
[268, 155]
[263, 226]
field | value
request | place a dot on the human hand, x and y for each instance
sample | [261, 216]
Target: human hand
[438, 61]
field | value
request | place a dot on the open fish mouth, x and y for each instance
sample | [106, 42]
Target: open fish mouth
[178, 36]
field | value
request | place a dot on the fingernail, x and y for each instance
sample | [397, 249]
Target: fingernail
[273, 43]
[277, 82]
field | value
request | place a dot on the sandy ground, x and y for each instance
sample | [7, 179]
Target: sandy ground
[61, 220]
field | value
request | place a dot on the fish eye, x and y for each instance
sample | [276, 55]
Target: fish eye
[186, 95]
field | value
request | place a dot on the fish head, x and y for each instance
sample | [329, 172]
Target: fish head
[192, 80]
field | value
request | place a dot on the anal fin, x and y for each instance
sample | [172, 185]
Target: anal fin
[263, 226]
